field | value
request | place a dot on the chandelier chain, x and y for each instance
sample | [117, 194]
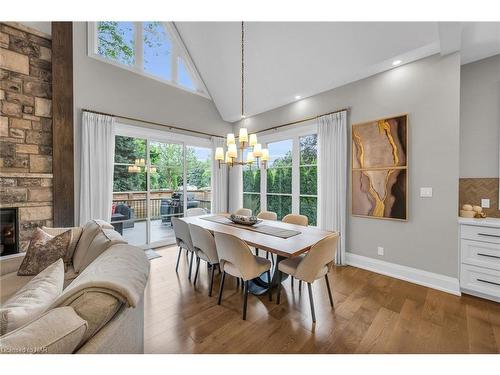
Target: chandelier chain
[242, 69]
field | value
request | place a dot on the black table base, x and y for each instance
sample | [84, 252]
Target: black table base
[260, 285]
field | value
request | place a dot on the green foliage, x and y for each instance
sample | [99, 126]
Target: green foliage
[308, 149]
[116, 41]
[252, 201]
[251, 180]
[309, 180]
[168, 160]
[281, 204]
[279, 180]
[308, 207]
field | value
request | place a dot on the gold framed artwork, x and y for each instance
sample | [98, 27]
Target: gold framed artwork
[380, 168]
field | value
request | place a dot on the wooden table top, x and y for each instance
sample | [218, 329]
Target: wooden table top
[289, 247]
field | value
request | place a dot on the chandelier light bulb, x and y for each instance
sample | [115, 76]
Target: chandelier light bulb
[253, 140]
[265, 154]
[219, 153]
[243, 136]
[232, 151]
[257, 150]
[230, 139]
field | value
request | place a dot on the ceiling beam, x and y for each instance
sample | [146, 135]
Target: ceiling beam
[450, 37]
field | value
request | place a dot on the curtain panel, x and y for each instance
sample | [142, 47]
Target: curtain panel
[219, 181]
[97, 152]
[332, 177]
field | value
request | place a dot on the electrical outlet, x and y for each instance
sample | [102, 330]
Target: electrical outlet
[380, 250]
[485, 203]
[426, 192]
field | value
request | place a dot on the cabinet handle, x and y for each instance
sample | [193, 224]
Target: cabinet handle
[488, 255]
[488, 235]
[488, 282]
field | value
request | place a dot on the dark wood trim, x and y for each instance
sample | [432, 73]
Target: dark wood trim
[62, 126]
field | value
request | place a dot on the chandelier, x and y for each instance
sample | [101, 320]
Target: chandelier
[136, 167]
[234, 155]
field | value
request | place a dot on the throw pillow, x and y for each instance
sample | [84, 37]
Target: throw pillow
[76, 232]
[44, 250]
[33, 299]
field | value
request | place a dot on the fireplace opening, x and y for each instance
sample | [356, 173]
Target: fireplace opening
[9, 231]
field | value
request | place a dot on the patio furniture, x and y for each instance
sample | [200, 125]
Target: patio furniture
[174, 206]
[128, 215]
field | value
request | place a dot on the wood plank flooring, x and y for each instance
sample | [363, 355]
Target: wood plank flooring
[373, 314]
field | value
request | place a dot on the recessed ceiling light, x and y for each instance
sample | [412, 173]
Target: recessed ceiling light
[396, 62]
[297, 97]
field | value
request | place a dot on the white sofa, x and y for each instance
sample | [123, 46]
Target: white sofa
[101, 308]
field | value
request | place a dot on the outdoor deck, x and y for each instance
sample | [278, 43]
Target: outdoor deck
[159, 232]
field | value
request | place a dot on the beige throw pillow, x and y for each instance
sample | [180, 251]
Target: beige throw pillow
[76, 232]
[44, 250]
[33, 299]
[90, 230]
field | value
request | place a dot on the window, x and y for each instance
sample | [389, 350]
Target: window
[308, 177]
[251, 187]
[153, 49]
[289, 184]
[279, 178]
[157, 176]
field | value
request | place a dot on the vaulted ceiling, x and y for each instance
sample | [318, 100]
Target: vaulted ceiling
[285, 60]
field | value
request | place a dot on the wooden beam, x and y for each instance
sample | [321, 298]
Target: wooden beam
[62, 127]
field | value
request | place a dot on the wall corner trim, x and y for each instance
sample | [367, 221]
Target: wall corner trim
[413, 275]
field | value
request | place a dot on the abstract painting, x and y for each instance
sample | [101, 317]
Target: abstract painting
[380, 168]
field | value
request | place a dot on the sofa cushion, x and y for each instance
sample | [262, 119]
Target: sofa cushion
[89, 231]
[104, 239]
[44, 250]
[58, 331]
[76, 232]
[33, 299]
[10, 284]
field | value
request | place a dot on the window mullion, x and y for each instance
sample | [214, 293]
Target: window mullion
[263, 188]
[295, 175]
[139, 47]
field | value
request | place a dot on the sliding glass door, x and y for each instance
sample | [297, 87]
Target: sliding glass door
[149, 187]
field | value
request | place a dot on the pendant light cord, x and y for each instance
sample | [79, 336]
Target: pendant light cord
[242, 69]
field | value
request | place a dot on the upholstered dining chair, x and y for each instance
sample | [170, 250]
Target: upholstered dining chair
[205, 249]
[296, 219]
[236, 259]
[197, 211]
[243, 212]
[183, 240]
[266, 215]
[313, 266]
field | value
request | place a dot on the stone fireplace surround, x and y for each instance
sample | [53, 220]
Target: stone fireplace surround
[26, 127]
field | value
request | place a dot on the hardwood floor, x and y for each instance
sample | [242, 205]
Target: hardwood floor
[373, 314]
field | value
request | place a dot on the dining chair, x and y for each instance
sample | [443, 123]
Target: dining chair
[296, 219]
[313, 266]
[205, 249]
[236, 259]
[184, 241]
[243, 212]
[197, 211]
[266, 215]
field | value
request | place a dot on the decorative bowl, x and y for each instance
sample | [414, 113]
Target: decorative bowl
[244, 220]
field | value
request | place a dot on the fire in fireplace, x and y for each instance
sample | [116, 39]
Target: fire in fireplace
[9, 232]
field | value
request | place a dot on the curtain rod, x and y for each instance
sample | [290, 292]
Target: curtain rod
[152, 123]
[303, 120]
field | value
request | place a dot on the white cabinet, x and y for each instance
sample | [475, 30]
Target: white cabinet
[480, 257]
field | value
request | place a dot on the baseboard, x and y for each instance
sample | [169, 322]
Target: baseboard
[413, 275]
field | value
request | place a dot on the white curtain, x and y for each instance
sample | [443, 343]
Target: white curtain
[219, 180]
[235, 188]
[96, 177]
[332, 177]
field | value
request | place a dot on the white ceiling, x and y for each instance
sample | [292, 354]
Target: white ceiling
[285, 59]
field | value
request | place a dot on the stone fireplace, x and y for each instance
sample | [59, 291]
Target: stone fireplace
[26, 127]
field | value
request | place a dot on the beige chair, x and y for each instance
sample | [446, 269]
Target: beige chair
[296, 219]
[243, 212]
[197, 211]
[267, 215]
[237, 259]
[313, 266]
[183, 240]
[204, 246]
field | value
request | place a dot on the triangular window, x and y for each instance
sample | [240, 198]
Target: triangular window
[151, 48]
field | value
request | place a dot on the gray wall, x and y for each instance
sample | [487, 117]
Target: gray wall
[103, 87]
[480, 118]
[428, 90]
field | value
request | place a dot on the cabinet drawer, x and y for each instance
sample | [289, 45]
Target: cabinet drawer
[481, 280]
[481, 254]
[485, 234]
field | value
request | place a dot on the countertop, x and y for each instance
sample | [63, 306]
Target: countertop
[487, 222]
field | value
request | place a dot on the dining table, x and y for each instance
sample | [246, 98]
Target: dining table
[284, 240]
